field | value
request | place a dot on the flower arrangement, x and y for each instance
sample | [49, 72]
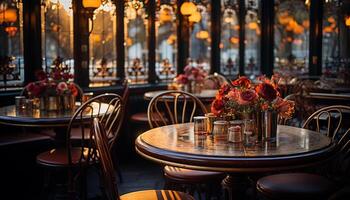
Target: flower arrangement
[56, 83]
[242, 97]
[191, 74]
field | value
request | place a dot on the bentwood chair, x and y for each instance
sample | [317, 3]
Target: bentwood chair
[173, 107]
[214, 81]
[108, 174]
[109, 109]
[333, 122]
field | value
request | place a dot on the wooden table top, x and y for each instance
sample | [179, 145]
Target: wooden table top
[176, 145]
[9, 115]
[205, 95]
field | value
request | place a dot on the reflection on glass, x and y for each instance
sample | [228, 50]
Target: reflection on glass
[136, 42]
[291, 36]
[252, 38]
[57, 32]
[229, 39]
[11, 44]
[103, 46]
[166, 41]
[200, 38]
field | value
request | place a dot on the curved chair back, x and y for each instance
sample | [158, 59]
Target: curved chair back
[330, 119]
[173, 107]
[107, 170]
[214, 81]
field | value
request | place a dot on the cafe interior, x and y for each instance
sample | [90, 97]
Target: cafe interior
[175, 99]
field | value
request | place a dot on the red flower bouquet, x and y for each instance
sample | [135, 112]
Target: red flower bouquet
[242, 97]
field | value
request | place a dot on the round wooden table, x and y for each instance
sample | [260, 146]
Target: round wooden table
[204, 96]
[58, 120]
[176, 145]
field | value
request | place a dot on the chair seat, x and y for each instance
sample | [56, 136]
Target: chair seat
[76, 133]
[142, 118]
[188, 175]
[59, 157]
[156, 195]
[295, 186]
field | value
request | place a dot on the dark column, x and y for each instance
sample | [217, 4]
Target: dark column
[3, 41]
[241, 50]
[315, 55]
[183, 39]
[152, 76]
[81, 44]
[215, 36]
[267, 37]
[120, 40]
[31, 39]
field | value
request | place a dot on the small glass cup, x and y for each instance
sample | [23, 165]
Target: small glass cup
[211, 119]
[220, 131]
[200, 125]
[248, 132]
[20, 102]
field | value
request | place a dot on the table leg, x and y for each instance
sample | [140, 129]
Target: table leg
[234, 186]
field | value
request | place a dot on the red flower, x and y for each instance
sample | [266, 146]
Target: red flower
[217, 107]
[182, 79]
[266, 91]
[61, 87]
[242, 81]
[34, 89]
[246, 97]
[73, 89]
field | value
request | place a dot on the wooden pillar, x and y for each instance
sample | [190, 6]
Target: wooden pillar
[120, 39]
[267, 37]
[315, 55]
[81, 44]
[151, 40]
[31, 39]
[241, 50]
[183, 39]
[215, 36]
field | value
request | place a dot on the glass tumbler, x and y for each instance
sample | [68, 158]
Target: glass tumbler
[200, 125]
[248, 132]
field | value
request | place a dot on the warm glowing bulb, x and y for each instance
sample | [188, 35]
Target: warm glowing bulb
[202, 35]
[347, 21]
[195, 17]
[92, 4]
[10, 15]
[188, 8]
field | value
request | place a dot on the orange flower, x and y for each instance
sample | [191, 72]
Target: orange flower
[246, 97]
[242, 81]
[217, 107]
[285, 108]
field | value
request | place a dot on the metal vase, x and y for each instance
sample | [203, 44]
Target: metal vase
[52, 103]
[68, 102]
[269, 125]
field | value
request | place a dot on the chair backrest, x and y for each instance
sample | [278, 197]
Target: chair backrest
[107, 170]
[173, 107]
[330, 119]
[108, 108]
[214, 81]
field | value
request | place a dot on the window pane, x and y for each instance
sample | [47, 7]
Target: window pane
[103, 70]
[229, 38]
[252, 37]
[57, 33]
[166, 41]
[200, 38]
[11, 45]
[291, 36]
[136, 57]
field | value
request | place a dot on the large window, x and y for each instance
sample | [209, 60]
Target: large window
[11, 46]
[136, 57]
[200, 37]
[57, 33]
[252, 37]
[166, 40]
[103, 70]
[292, 36]
[229, 38]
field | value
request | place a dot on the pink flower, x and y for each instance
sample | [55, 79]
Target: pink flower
[233, 94]
[246, 97]
[61, 87]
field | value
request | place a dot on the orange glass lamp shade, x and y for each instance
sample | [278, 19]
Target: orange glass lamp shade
[195, 17]
[8, 16]
[202, 35]
[253, 25]
[11, 30]
[92, 4]
[347, 21]
[234, 40]
[188, 8]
